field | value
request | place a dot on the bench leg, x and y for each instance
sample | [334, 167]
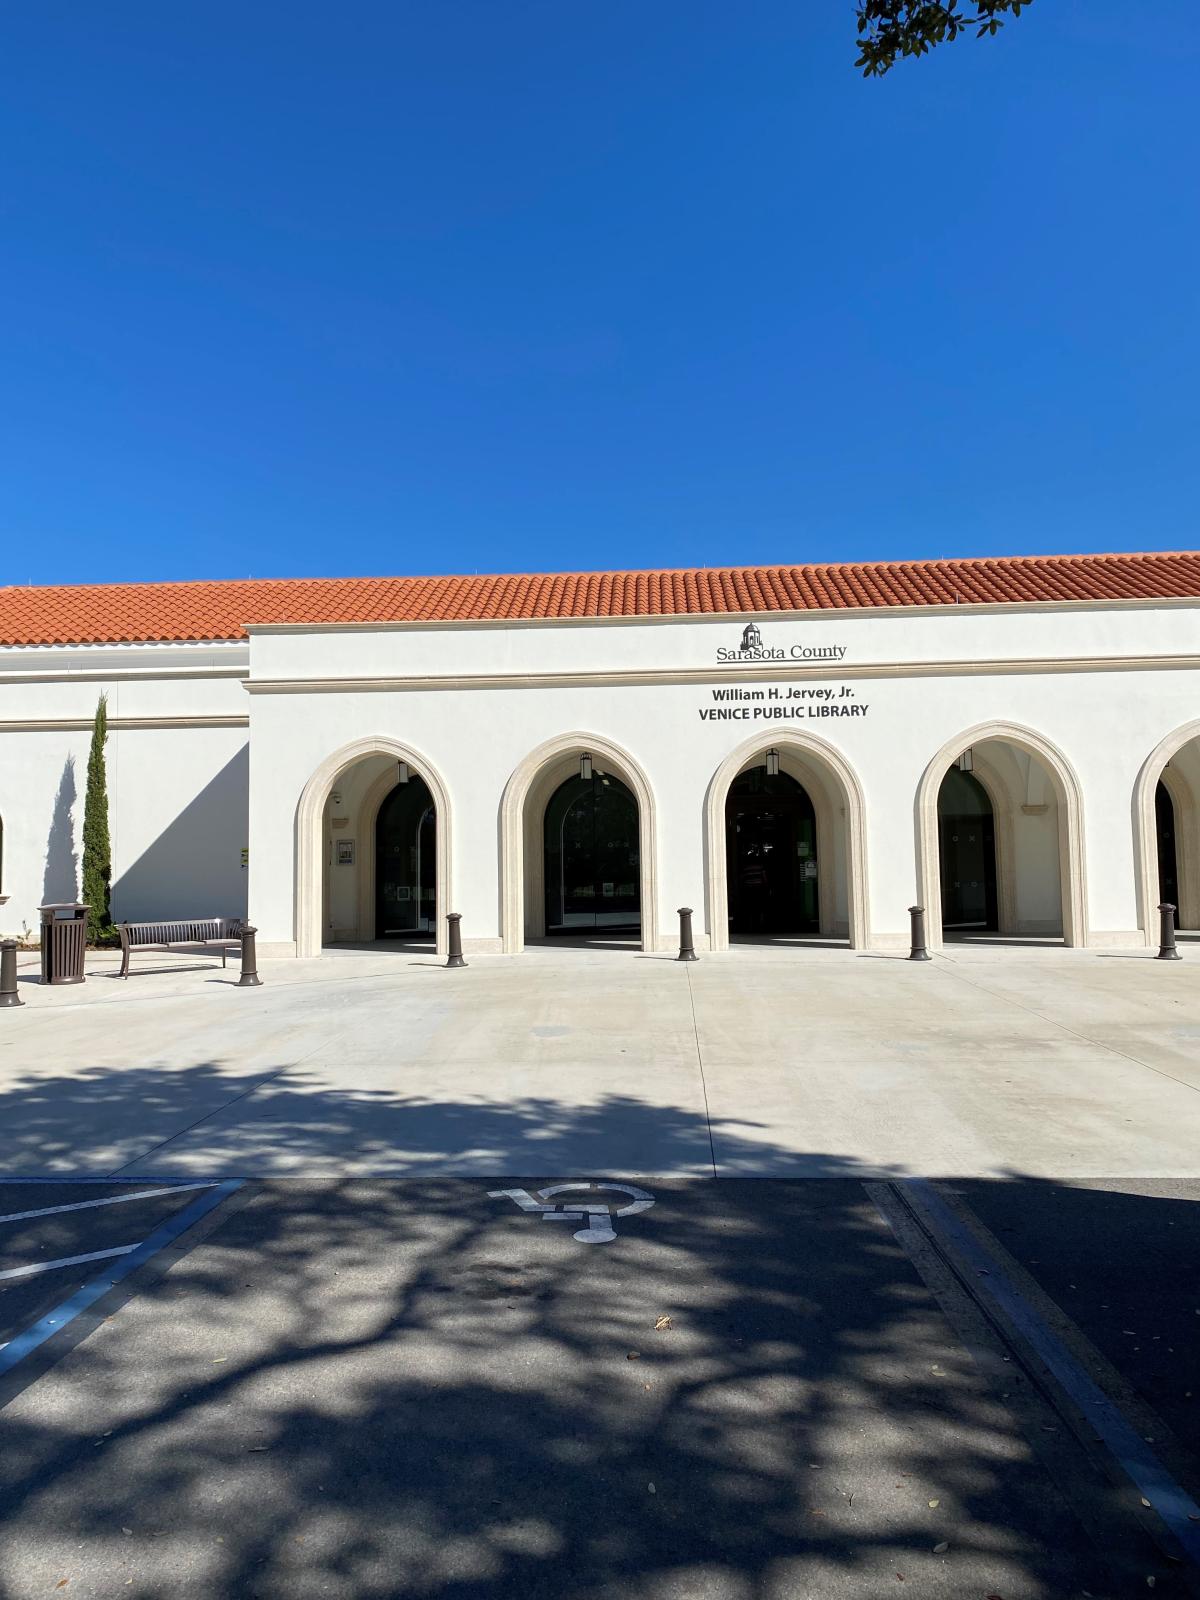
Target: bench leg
[125, 962]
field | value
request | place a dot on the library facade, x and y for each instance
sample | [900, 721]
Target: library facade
[798, 753]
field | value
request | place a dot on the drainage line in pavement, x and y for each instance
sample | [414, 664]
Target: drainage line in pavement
[712, 1149]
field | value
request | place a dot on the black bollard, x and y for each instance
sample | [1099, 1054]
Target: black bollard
[687, 950]
[1166, 934]
[8, 974]
[454, 939]
[918, 952]
[249, 978]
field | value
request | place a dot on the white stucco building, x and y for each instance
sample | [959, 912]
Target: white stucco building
[798, 753]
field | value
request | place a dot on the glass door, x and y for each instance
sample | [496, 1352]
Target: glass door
[406, 863]
[1168, 861]
[967, 843]
[770, 856]
[592, 856]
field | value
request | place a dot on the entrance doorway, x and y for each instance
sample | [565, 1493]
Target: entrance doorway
[770, 856]
[406, 863]
[1000, 840]
[967, 851]
[592, 856]
[1166, 808]
[1168, 858]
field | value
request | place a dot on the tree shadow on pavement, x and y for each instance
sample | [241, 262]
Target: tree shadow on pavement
[199, 1120]
[364, 1387]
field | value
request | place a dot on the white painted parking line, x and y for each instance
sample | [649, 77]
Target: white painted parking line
[108, 1200]
[68, 1261]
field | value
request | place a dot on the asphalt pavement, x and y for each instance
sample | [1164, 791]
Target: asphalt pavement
[55, 1236]
[1119, 1262]
[513, 1389]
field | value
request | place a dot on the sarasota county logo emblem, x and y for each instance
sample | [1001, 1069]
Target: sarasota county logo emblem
[753, 649]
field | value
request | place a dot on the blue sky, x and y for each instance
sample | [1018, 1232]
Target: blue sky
[471, 285]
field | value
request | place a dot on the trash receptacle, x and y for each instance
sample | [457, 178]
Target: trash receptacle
[64, 936]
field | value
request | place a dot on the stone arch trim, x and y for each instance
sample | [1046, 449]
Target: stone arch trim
[309, 815]
[1069, 794]
[837, 772]
[1145, 833]
[512, 830]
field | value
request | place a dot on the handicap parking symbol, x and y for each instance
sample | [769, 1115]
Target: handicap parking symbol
[597, 1215]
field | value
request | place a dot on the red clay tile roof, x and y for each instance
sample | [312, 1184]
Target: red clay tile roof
[129, 612]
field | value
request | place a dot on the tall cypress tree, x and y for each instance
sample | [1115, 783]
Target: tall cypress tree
[97, 849]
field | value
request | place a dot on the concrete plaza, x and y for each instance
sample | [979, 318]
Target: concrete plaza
[369, 1370]
[991, 1060]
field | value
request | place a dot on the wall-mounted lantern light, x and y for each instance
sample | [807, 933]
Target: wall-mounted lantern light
[402, 772]
[965, 762]
[585, 767]
[772, 763]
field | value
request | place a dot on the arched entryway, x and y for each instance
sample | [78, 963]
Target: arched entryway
[372, 793]
[785, 839]
[578, 846]
[1166, 808]
[1000, 839]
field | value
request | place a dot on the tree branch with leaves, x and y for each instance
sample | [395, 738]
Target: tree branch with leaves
[891, 29]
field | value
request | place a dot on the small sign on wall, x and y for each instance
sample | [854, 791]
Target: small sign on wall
[345, 852]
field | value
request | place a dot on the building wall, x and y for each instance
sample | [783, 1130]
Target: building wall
[199, 768]
[924, 679]
[178, 773]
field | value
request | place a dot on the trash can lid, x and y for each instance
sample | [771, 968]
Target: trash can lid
[63, 905]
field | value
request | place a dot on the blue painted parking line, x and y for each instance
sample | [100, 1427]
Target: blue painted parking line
[54, 1321]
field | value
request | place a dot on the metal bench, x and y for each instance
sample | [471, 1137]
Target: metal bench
[197, 933]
